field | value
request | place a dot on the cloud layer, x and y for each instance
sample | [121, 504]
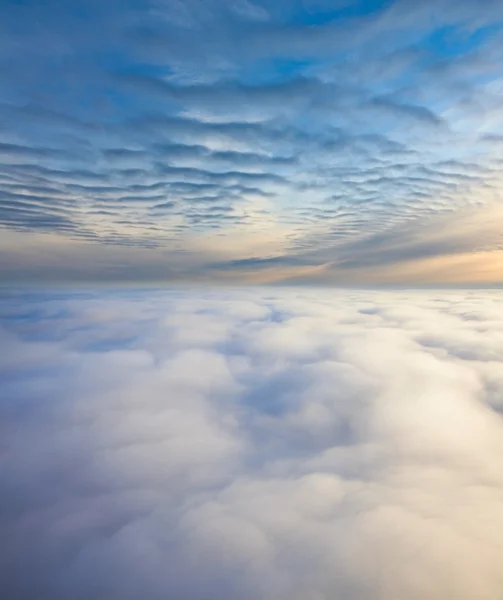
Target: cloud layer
[300, 445]
[175, 138]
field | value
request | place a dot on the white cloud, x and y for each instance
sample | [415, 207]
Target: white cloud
[293, 444]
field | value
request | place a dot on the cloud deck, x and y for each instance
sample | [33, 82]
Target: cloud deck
[261, 444]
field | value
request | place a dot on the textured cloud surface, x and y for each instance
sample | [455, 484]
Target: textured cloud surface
[259, 445]
[160, 140]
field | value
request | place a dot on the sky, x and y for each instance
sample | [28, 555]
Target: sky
[255, 444]
[324, 142]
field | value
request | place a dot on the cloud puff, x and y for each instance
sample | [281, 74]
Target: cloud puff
[294, 444]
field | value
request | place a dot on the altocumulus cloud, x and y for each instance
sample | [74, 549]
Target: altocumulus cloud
[258, 445]
[171, 140]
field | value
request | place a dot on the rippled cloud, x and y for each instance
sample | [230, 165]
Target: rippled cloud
[177, 128]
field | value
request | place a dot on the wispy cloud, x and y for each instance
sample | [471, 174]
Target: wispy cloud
[156, 124]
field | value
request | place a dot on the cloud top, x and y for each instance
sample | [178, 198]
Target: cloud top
[278, 445]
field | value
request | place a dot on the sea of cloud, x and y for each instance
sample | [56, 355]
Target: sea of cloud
[272, 444]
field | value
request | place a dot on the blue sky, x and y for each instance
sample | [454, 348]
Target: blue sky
[239, 141]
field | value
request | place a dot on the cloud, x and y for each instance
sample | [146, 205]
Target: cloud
[299, 444]
[127, 124]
